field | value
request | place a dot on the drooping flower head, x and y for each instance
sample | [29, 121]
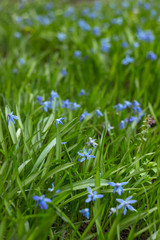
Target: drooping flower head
[117, 187]
[11, 118]
[85, 212]
[59, 121]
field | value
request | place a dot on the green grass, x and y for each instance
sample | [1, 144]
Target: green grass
[31, 154]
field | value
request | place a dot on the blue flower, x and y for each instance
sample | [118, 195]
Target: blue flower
[46, 105]
[42, 201]
[85, 212]
[84, 25]
[119, 107]
[151, 55]
[136, 45]
[82, 92]
[83, 115]
[69, 11]
[99, 113]
[117, 21]
[92, 142]
[52, 189]
[61, 36]
[21, 61]
[54, 95]
[11, 118]
[146, 36]
[85, 155]
[96, 31]
[77, 54]
[75, 106]
[39, 99]
[131, 119]
[63, 72]
[109, 127]
[59, 121]
[43, 20]
[66, 104]
[122, 124]
[49, 6]
[127, 60]
[92, 196]
[124, 44]
[15, 70]
[105, 45]
[117, 187]
[127, 104]
[17, 35]
[126, 204]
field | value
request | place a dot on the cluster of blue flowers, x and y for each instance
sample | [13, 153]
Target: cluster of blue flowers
[136, 109]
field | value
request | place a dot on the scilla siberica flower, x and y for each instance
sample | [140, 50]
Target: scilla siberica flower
[99, 113]
[21, 61]
[84, 25]
[119, 107]
[151, 55]
[66, 104]
[127, 60]
[92, 142]
[39, 99]
[75, 106]
[53, 95]
[42, 201]
[83, 115]
[82, 92]
[77, 54]
[127, 104]
[63, 72]
[85, 212]
[96, 31]
[11, 118]
[85, 155]
[92, 196]
[117, 187]
[126, 204]
[146, 36]
[105, 45]
[46, 105]
[59, 121]
[61, 36]
[132, 119]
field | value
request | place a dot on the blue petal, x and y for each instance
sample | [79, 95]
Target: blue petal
[89, 190]
[119, 200]
[36, 198]
[111, 184]
[47, 200]
[43, 205]
[99, 196]
[88, 200]
[130, 207]
[124, 210]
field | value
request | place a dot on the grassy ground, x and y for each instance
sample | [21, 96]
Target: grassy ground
[32, 57]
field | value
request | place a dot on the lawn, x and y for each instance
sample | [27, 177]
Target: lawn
[79, 120]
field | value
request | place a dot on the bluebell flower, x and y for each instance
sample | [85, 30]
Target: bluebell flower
[127, 104]
[15, 70]
[151, 55]
[18, 19]
[153, 12]
[124, 44]
[117, 21]
[97, 5]
[96, 31]
[17, 35]
[85, 212]
[127, 60]
[53, 95]
[116, 38]
[48, 6]
[131, 119]
[61, 36]
[75, 106]
[83, 115]
[66, 104]
[39, 99]
[69, 11]
[136, 44]
[147, 6]
[92, 142]
[122, 124]
[117, 187]
[119, 107]
[63, 72]
[126, 204]
[92, 196]
[77, 54]
[105, 45]
[11, 118]
[84, 25]
[82, 92]
[85, 155]
[109, 127]
[136, 104]
[59, 121]
[146, 36]
[85, 11]
[46, 105]
[42, 201]
[125, 4]
[99, 113]
[52, 189]
[21, 61]
[44, 20]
